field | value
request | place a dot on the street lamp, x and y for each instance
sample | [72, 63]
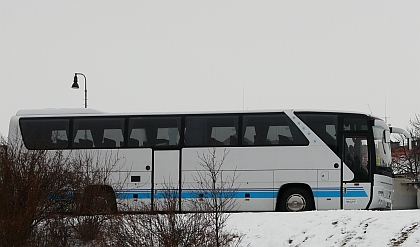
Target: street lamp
[76, 86]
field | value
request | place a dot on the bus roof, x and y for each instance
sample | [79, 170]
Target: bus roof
[56, 111]
[89, 111]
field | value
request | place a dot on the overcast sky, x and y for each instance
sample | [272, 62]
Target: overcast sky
[176, 56]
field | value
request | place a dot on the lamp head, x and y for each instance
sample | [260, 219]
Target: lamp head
[75, 85]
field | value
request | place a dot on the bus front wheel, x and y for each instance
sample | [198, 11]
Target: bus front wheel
[296, 199]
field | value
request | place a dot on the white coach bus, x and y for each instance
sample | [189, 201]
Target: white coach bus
[283, 160]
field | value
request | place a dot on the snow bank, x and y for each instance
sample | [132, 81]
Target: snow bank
[329, 228]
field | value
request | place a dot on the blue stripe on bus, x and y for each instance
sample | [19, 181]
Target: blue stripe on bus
[130, 194]
[333, 192]
[234, 194]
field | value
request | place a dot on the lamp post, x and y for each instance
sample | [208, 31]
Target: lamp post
[76, 86]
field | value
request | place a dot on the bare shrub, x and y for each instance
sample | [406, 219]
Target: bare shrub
[171, 228]
[204, 224]
[33, 185]
[75, 230]
[56, 230]
[218, 198]
[37, 186]
[90, 229]
[404, 161]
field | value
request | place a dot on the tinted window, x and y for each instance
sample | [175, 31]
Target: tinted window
[357, 157]
[100, 132]
[211, 131]
[274, 129]
[153, 131]
[324, 125]
[355, 124]
[50, 133]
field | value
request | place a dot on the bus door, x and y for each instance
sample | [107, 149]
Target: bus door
[356, 181]
[152, 176]
[165, 176]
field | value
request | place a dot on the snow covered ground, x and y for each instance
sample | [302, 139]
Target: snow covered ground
[329, 228]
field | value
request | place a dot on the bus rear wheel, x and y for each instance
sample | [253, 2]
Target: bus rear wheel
[296, 199]
[98, 200]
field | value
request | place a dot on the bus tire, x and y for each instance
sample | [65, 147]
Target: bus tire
[296, 199]
[98, 199]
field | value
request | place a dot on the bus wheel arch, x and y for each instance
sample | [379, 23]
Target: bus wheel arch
[295, 197]
[98, 199]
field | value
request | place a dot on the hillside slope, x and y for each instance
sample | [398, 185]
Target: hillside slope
[329, 228]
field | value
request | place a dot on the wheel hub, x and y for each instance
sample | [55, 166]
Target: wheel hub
[296, 202]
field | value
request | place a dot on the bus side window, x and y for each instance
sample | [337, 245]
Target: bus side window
[249, 135]
[271, 129]
[59, 139]
[83, 139]
[113, 138]
[47, 133]
[211, 131]
[195, 133]
[325, 127]
[137, 138]
[98, 132]
[153, 131]
[85, 143]
[223, 136]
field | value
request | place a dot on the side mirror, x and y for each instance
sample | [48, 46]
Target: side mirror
[406, 135]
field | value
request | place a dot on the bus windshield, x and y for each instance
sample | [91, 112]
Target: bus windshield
[382, 147]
